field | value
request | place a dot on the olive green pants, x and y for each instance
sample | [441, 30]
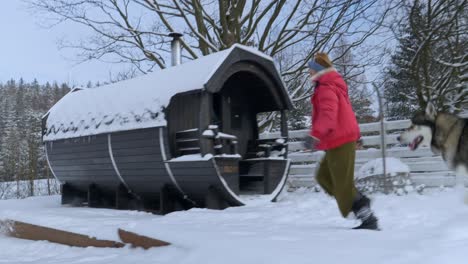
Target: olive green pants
[336, 175]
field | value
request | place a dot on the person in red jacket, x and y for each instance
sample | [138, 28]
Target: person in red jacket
[336, 131]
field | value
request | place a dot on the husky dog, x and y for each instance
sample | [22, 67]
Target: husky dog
[445, 133]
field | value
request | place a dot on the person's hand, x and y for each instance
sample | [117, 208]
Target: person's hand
[310, 143]
[359, 144]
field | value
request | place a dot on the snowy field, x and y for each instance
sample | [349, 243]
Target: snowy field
[303, 227]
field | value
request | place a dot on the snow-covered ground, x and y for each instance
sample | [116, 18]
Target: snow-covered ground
[302, 227]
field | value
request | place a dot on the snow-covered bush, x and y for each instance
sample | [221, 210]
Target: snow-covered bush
[370, 177]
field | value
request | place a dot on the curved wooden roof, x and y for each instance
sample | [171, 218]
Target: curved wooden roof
[138, 103]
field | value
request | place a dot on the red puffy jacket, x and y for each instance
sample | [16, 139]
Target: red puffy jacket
[333, 120]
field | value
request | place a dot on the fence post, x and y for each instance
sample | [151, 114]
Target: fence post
[284, 131]
[383, 131]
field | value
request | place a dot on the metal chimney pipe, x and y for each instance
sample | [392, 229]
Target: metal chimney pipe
[176, 48]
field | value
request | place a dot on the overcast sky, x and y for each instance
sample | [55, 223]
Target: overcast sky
[30, 51]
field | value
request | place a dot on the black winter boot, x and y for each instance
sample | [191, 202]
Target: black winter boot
[361, 208]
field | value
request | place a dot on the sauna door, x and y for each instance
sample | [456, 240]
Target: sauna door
[236, 118]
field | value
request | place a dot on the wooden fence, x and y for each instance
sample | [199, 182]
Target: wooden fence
[425, 167]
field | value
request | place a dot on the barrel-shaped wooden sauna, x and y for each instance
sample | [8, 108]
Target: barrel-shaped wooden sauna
[183, 137]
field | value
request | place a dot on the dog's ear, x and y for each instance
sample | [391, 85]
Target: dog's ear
[431, 111]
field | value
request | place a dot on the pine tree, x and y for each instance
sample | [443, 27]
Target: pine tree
[399, 87]
[22, 106]
[431, 62]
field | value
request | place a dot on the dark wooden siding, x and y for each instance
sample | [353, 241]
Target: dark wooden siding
[229, 170]
[83, 161]
[196, 177]
[277, 169]
[183, 112]
[137, 154]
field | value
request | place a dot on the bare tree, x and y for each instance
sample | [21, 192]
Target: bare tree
[354, 75]
[134, 31]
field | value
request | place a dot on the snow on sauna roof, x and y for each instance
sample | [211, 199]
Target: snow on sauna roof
[131, 104]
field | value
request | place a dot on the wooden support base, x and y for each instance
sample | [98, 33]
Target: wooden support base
[123, 198]
[94, 196]
[213, 200]
[169, 201]
[72, 196]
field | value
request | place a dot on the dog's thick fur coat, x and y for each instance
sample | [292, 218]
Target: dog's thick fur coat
[445, 133]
